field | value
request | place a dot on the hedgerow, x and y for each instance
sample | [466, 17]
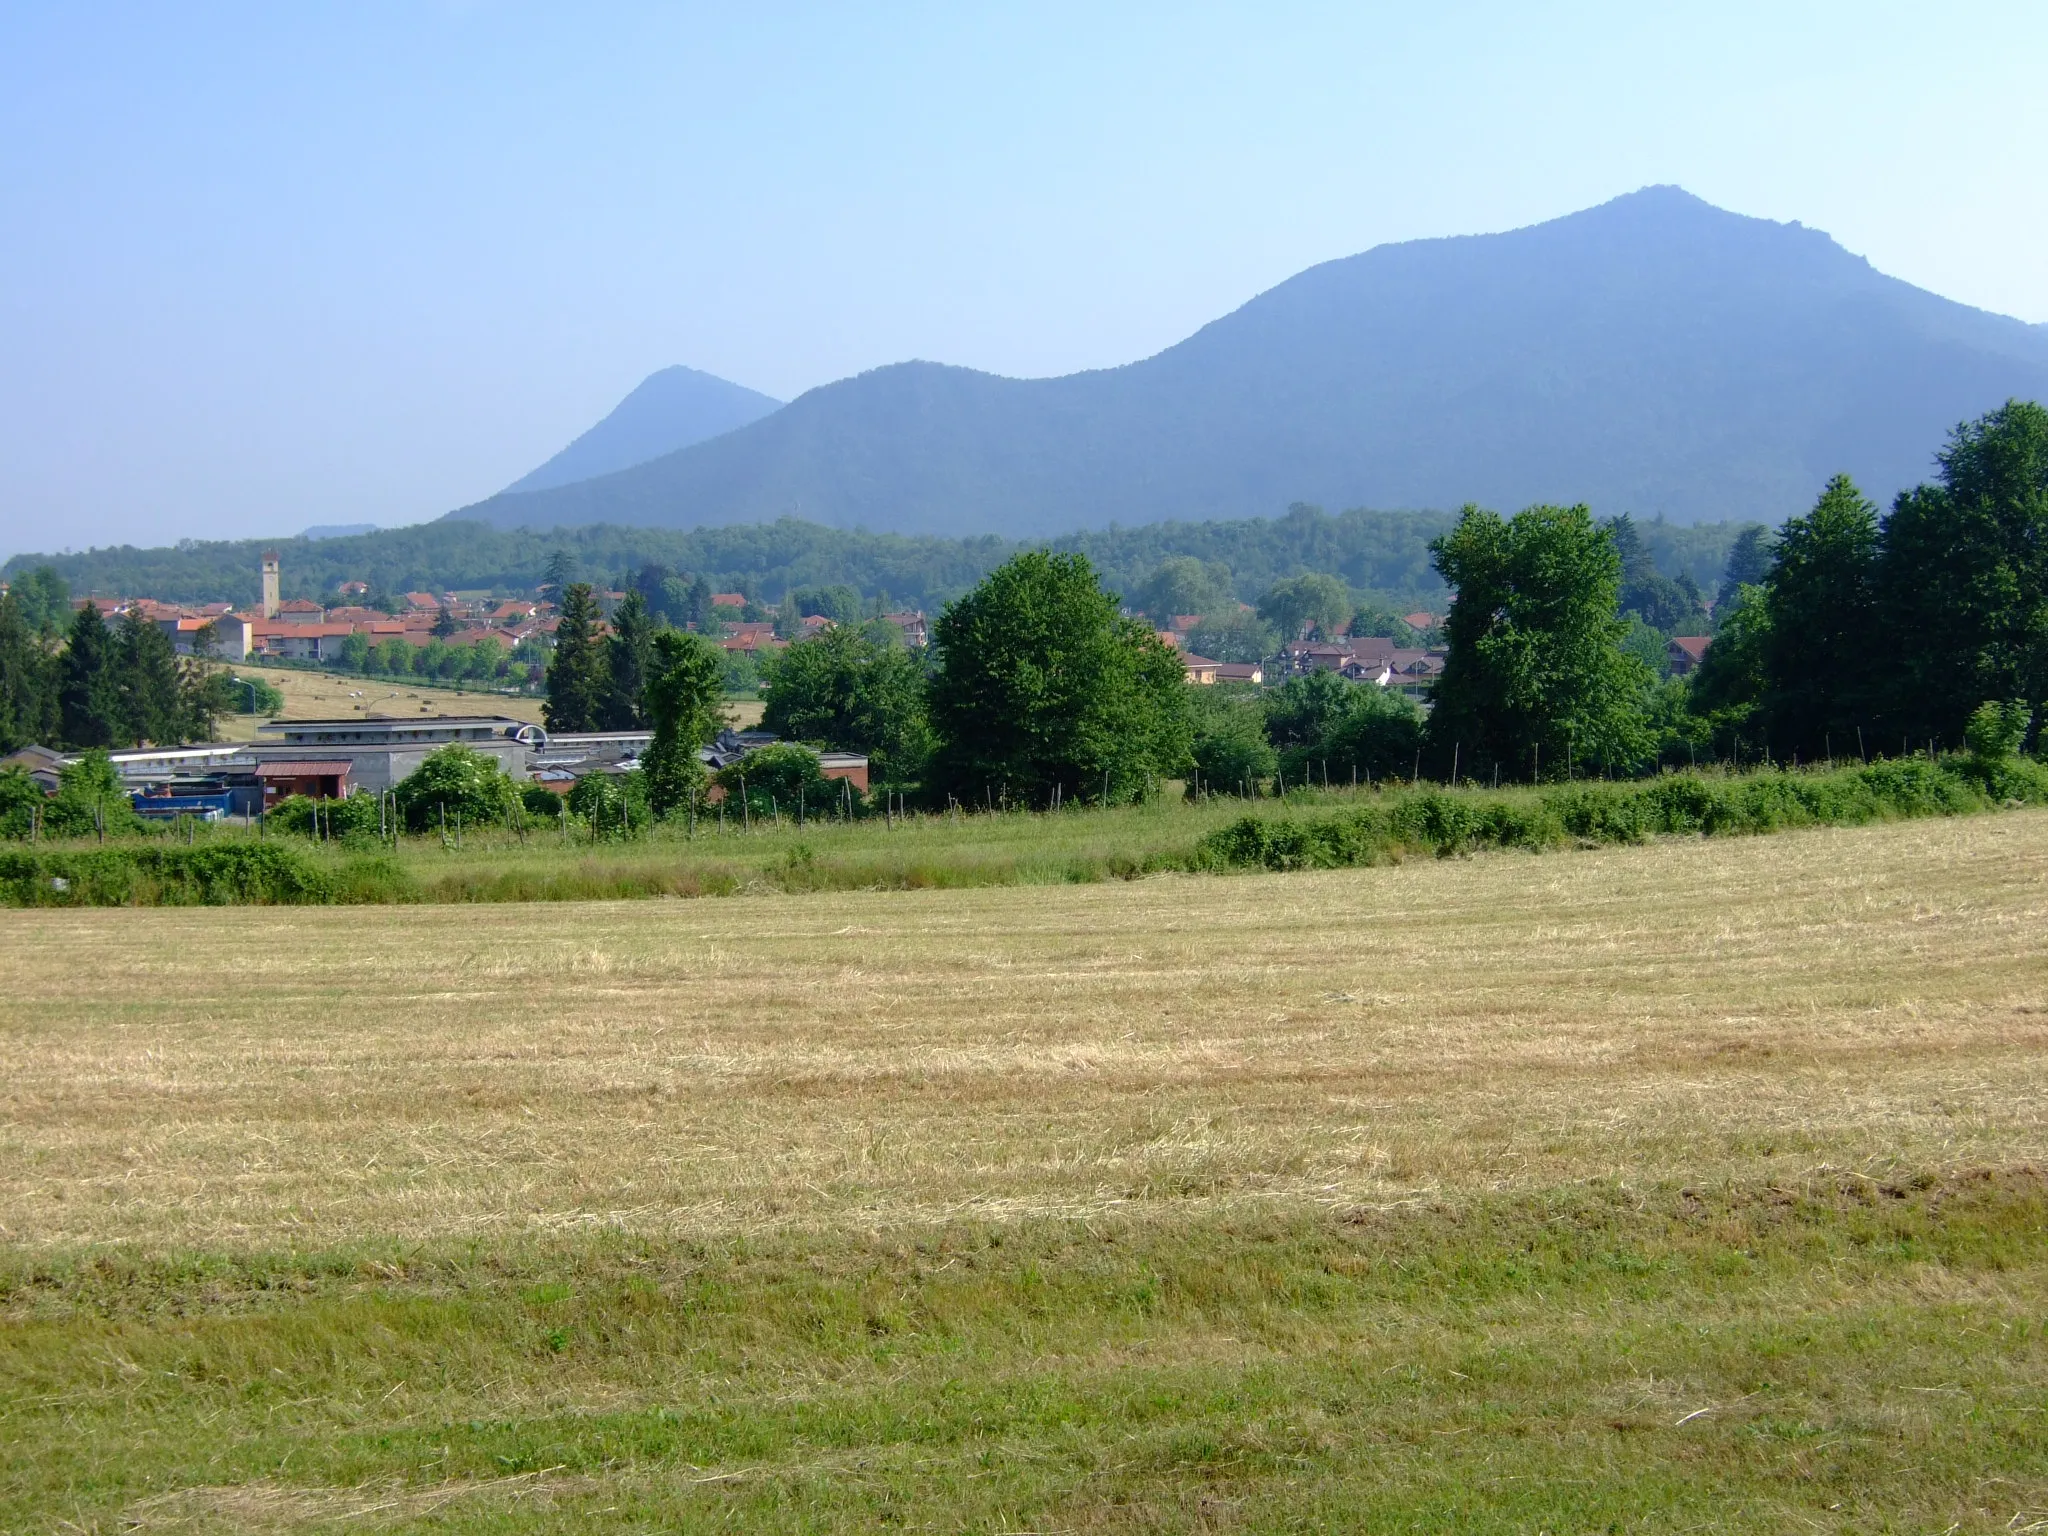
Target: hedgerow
[1443, 822]
[264, 874]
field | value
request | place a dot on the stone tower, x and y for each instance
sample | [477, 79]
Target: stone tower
[270, 584]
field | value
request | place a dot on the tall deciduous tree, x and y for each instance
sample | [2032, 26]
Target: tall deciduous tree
[45, 600]
[1536, 674]
[1231, 753]
[685, 688]
[1819, 647]
[1301, 602]
[1185, 585]
[854, 691]
[577, 676]
[1042, 686]
[1963, 577]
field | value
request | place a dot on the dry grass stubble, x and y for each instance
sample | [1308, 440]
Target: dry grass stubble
[250, 1078]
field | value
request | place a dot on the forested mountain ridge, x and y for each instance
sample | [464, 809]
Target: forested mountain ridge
[1379, 551]
[1653, 355]
[668, 410]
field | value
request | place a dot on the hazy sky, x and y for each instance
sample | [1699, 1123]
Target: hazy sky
[269, 265]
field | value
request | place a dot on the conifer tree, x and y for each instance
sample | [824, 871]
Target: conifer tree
[86, 703]
[629, 655]
[577, 682]
[148, 690]
[28, 681]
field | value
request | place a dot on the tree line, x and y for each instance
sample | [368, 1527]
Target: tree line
[1038, 691]
[1896, 626]
[1846, 633]
[1384, 552]
[91, 684]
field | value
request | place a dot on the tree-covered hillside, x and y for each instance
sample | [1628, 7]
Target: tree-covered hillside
[1373, 551]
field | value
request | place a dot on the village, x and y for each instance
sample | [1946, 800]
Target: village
[498, 644]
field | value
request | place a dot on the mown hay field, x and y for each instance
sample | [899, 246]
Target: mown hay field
[311, 695]
[1691, 1186]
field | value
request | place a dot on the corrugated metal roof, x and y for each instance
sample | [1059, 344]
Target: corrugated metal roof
[304, 768]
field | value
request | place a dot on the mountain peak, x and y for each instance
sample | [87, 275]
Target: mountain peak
[670, 409]
[1654, 354]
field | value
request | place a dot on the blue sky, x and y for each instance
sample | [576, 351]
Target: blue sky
[264, 266]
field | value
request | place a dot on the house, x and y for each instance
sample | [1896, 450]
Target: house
[1319, 656]
[353, 589]
[39, 763]
[300, 611]
[1240, 672]
[230, 635]
[299, 642]
[1173, 640]
[1686, 652]
[1200, 669]
[1415, 671]
[1422, 621]
[750, 639]
[513, 611]
[728, 600]
[812, 624]
[149, 608]
[315, 778]
[1372, 651]
[916, 634]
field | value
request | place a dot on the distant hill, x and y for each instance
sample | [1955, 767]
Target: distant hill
[1383, 552]
[337, 530]
[666, 411]
[1653, 355]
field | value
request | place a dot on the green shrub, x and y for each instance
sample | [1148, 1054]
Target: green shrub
[164, 875]
[459, 784]
[20, 798]
[254, 696]
[1231, 751]
[1996, 729]
[355, 817]
[773, 777]
[1438, 821]
[90, 797]
[376, 880]
[611, 804]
